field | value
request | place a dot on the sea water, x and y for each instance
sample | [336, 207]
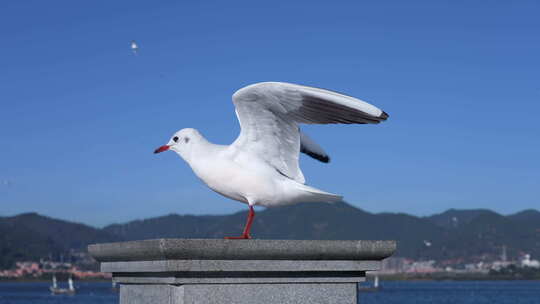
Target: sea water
[404, 292]
[38, 293]
[454, 292]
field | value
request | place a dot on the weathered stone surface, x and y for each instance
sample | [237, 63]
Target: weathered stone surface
[151, 294]
[271, 294]
[178, 271]
[220, 249]
[249, 278]
[237, 265]
[240, 294]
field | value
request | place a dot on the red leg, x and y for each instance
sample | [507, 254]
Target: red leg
[247, 228]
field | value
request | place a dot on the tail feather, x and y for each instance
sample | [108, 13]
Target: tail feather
[316, 195]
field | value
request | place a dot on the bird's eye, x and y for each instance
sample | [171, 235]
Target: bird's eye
[175, 139]
[186, 139]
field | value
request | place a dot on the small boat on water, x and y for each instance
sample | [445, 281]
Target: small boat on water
[55, 290]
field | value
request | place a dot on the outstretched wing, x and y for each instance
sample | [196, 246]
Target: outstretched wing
[269, 113]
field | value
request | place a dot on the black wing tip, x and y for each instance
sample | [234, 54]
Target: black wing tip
[384, 116]
[322, 158]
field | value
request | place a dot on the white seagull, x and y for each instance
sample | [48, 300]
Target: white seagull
[134, 47]
[260, 168]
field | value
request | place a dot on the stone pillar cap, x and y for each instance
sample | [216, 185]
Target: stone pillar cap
[221, 249]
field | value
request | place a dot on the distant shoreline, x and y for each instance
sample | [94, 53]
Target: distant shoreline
[39, 280]
[453, 277]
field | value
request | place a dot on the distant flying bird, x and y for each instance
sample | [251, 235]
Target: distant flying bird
[260, 168]
[134, 47]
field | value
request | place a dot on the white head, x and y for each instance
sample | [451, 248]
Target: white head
[182, 142]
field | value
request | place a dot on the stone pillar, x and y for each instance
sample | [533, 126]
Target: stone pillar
[204, 271]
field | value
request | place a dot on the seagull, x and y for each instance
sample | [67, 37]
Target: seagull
[134, 47]
[260, 168]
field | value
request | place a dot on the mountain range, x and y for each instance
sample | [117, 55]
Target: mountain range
[454, 235]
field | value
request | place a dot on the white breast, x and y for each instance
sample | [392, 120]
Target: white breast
[248, 181]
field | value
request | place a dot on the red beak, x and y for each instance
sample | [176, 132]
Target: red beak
[161, 149]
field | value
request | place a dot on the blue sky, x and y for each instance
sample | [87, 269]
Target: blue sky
[80, 115]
